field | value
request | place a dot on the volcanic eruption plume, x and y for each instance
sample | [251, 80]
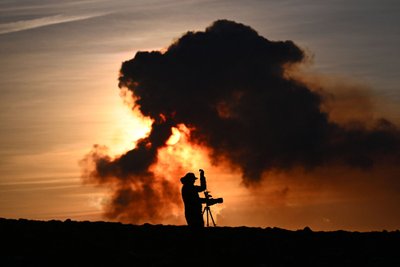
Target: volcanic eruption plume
[228, 86]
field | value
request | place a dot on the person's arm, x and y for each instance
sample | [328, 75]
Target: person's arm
[203, 184]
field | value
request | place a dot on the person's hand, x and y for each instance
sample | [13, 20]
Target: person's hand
[201, 172]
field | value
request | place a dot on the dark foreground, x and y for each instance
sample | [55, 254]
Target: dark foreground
[69, 243]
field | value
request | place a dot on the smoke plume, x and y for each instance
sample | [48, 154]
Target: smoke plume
[228, 85]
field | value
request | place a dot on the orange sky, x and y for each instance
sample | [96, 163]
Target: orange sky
[59, 96]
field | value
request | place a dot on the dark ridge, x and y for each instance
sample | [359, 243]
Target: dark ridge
[72, 243]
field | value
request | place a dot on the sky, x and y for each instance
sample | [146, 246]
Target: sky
[59, 70]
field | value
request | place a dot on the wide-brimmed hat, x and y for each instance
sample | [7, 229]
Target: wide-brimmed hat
[189, 177]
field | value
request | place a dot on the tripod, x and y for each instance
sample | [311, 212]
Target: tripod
[207, 209]
[209, 215]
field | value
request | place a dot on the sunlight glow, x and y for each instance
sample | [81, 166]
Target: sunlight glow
[180, 155]
[130, 126]
[176, 135]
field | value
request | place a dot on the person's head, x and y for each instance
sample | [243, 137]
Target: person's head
[189, 178]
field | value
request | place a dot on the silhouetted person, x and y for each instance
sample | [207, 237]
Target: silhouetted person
[191, 199]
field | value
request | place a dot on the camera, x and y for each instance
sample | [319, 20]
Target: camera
[211, 201]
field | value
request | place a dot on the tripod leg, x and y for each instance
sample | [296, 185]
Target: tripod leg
[206, 210]
[211, 218]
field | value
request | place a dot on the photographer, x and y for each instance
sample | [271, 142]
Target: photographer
[191, 199]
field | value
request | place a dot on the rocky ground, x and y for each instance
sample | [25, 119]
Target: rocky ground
[70, 243]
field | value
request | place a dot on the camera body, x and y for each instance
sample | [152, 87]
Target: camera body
[211, 201]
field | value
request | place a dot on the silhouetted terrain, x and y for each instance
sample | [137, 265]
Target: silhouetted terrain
[70, 243]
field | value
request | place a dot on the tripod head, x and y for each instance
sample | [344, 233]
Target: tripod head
[211, 201]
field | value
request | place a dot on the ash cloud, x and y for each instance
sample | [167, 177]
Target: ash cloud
[138, 194]
[228, 85]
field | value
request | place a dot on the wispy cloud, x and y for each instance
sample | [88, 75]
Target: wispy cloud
[23, 25]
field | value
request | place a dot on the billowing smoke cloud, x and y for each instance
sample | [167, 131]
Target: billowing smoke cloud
[228, 85]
